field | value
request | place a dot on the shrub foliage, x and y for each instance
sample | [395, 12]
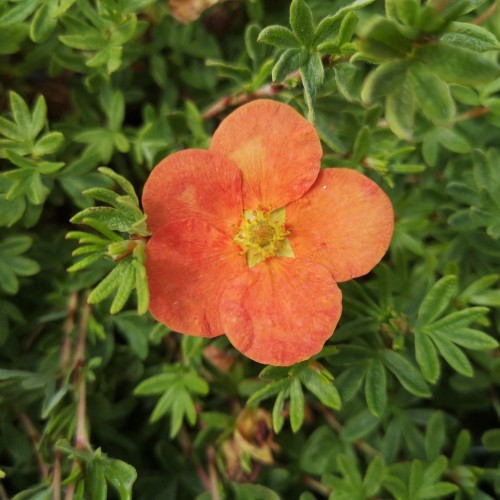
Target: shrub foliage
[99, 401]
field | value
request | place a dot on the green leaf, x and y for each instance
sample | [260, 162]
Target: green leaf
[349, 382]
[437, 300]
[329, 26]
[409, 377]
[320, 383]
[23, 266]
[312, 73]
[88, 41]
[432, 94]
[8, 280]
[279, 37]
[15, 245]
[11, 38]
[248, 491]
[83, 263]
[165, 404]
[132, 327]
[435, 436]
[278, 417]
[361, 144]
[108, 284]
[427, 357]
[416, 477]
[437, 490]
[349, 78]
[349, 469]
[347, 28]
[95, 481]
[17, 14]
[459, 319]
[472, 339]
[39, 116]
[452, 140]
[102, 194]
[11, 130]
[115, 110]
[117, 219]
[120, 475]
[454, 356]
[400, 111]
[122, 182]
[385, 37]
[20, 111]
[49, 167]
[43, 22]
[407, 11]
[289, 61]
[491, 440]
[254, 50]
[48, 144]
[301, 21]
[383, 80]
[470, 36]
[359, 426]
[157, 384]
[267, 391]
[141, 286]
[125, 288]
[297, 405]
[457, 65]
[374, 477]
[462, 447]
[375, 387]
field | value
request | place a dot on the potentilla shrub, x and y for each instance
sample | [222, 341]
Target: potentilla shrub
[249, 250]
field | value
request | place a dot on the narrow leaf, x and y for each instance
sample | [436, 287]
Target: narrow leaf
[296, 405]
[432, 94]
[457, 65]
[454, 357]
[437, 300]
[435, 436]
[406, 373]
[301, 21]
[375, 387]
[400, 111]
[279, 37]
[125, 288]
[427, 357]
[289, 61]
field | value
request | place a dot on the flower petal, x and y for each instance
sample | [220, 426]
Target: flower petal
[188, 263]
[277, 150]
[281, 311]
[194, 183]
[345, 222]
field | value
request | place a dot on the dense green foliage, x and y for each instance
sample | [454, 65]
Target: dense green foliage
[97, 400]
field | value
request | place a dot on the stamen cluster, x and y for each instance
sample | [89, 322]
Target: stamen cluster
[262, 234]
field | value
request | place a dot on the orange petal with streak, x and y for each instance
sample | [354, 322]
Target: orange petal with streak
[194, 183]
[345, 222]
[275, 147]
[282, 311]
[188, 263]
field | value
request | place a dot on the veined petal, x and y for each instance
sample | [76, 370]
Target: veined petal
[277, 150]
[194, 183]
[281, 311]
[188, 263]
[345, 222]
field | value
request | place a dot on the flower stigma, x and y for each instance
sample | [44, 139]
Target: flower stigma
[262, 234]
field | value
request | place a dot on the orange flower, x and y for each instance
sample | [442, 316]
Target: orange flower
[250, 238]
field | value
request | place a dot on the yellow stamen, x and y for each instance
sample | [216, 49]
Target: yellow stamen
[262, 234]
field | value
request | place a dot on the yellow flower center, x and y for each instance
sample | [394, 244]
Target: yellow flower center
[262, 234]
